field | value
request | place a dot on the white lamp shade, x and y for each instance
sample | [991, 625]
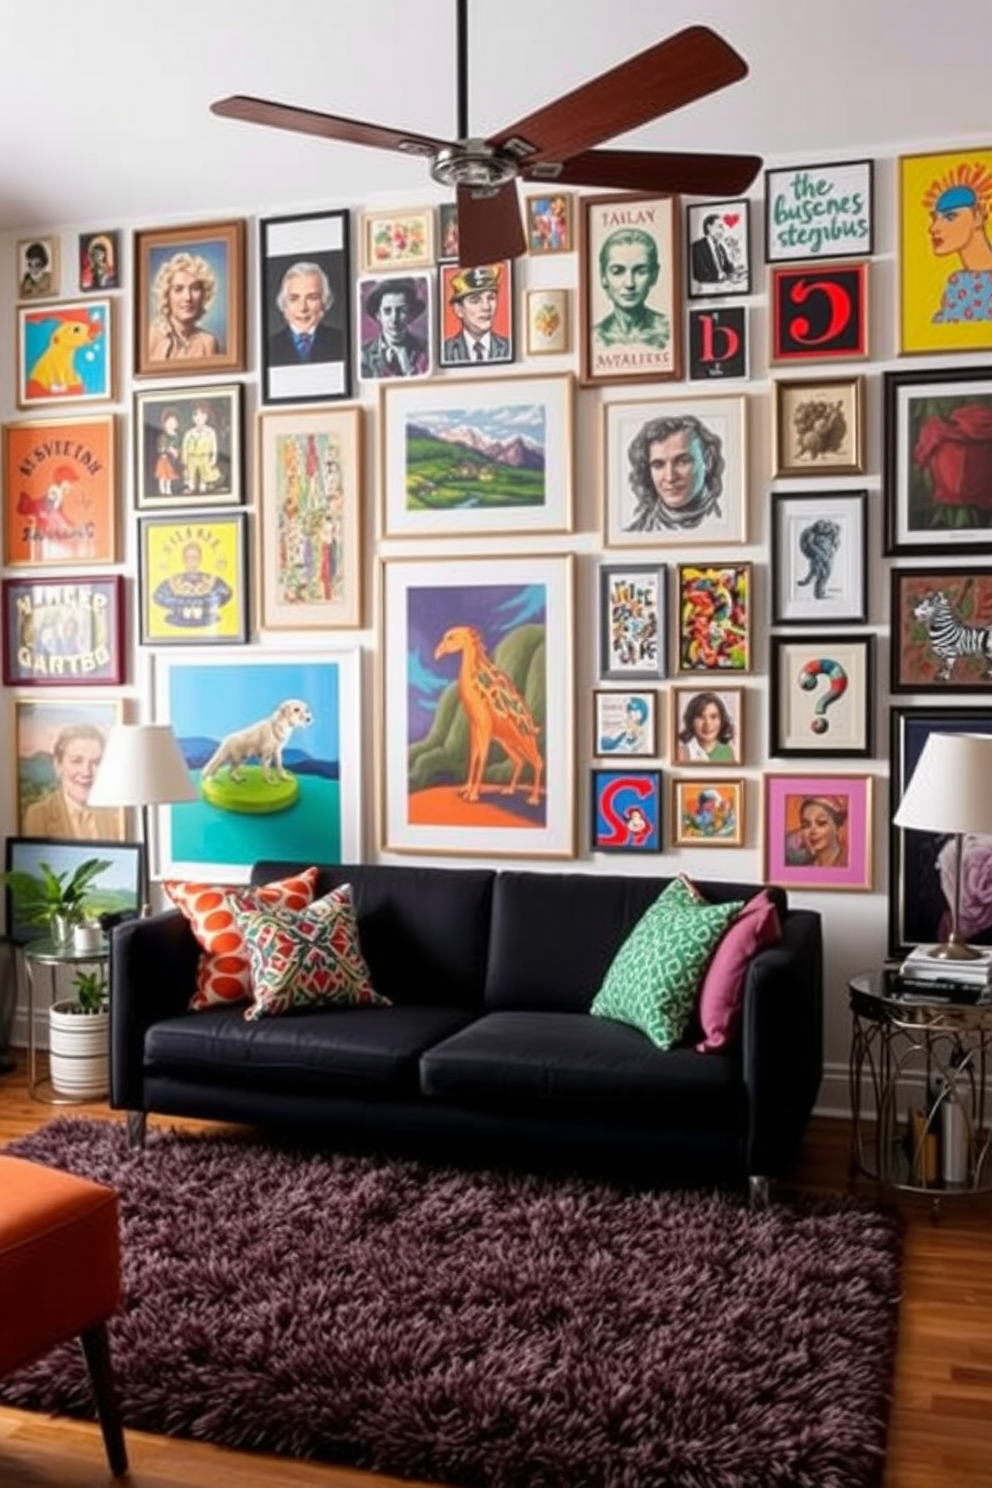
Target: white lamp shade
[142, 765]
[951, 787]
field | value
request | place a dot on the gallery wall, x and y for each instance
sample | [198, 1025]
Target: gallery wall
[566, 554]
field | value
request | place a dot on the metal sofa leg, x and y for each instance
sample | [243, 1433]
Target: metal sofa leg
[96, 1347]
[759, 1191]
[136, 1124]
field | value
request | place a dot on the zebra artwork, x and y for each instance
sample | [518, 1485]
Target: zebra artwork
[949, 637]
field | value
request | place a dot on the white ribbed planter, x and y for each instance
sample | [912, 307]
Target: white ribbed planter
[79, 1051]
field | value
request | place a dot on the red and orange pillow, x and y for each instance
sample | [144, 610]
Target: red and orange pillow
[223, 976]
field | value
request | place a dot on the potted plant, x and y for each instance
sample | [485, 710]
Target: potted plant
[57, 900]
[78, 1039]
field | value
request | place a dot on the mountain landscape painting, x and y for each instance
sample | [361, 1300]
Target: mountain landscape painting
[478, 457]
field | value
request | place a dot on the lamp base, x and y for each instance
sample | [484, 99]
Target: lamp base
[953, 949]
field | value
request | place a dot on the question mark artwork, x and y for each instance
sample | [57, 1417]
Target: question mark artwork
[836, 678]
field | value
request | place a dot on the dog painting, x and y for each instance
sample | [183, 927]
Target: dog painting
[263, 741]
[64, 353]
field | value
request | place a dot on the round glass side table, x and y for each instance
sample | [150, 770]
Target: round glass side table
[39, 954]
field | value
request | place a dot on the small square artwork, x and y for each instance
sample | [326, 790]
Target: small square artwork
[549, 223]
[99, 261]
[626, 811]
[548, 317]
[719, 257]
[626, 723]
[38, 268]
[708, 813]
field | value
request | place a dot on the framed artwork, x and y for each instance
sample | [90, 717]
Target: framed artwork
[941, 629]
[718, 343]
[820, 211]
[397, 239]
[548, 315]
[310, 509]
[394, 326]
[630, 277]
[626, 811]
[633, 626]
[312, 813]
[447, 232]
[819, 426]
[60, 482]
[58, 748]
[922, 865]
[305, 282]
[190, 299]
[719, 249]
[625, 722]
[938, 460]
[819, 314]
[549, 223]
[65, 353]
[99, 256]
[707, 726]
[818, 831]
[474, 456]
[714, 610]
[945, 247]
[193, 579]
[476, 720]
[822, 695]
[114, 891]
[38, 268]
[819, 557]
[475, 314]
[64, 632]
[676, 472]
[187, 446]
[708, 813]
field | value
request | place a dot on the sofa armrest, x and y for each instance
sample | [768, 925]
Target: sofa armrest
[152, 976]
[783, 1042]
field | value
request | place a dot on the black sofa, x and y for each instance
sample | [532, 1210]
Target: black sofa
[488, 1054]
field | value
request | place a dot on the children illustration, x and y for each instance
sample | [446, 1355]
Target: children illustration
[168, 450]
[199, 452]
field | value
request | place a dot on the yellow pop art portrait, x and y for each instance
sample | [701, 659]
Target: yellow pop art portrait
[945, 251]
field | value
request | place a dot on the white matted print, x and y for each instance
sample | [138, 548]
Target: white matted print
[476, 727]
[676, 472]
[719, 257]
[309, 813]
[477, 456]
[547, 322]
[819, 558]
[626, 723]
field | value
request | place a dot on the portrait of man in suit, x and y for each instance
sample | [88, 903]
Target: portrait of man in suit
[303, 300]
[718, 260]
[397, 305]
[474, 301]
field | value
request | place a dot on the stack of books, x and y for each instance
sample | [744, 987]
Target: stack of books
[936, 973]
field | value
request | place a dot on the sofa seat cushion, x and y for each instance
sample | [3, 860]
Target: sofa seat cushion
[333, 1050]
[571, 1061]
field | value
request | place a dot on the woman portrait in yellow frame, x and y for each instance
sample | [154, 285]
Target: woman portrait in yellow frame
[946, 251]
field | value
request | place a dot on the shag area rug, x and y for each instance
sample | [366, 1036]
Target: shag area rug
[484, 1329]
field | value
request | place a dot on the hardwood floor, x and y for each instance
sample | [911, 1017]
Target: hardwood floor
[941, 1426]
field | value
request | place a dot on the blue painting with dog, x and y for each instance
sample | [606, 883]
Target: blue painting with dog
[263, 742]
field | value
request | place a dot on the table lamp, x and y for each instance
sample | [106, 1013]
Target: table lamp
[142, 766]
[951, 792]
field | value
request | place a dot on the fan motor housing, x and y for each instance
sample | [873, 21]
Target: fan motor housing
[473, 163]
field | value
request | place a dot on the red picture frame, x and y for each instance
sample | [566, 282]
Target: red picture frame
[819, 312]
[64, 632]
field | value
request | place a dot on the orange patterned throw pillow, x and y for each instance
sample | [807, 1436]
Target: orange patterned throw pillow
[224, 973]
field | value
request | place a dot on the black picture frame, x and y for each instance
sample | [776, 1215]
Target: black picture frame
[797, 226]
[931, 454]
[922, 650]
[916, 903]
[707, 277]
[322, 239]
[805, 714]
[846, 512]
[120, 898]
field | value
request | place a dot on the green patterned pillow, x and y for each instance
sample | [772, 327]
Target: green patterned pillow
[655, 974]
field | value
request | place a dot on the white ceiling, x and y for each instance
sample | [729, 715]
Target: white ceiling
[104, 107]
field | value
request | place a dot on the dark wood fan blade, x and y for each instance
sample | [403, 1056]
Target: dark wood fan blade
[644, 170]
[489, 226]
[667, 76]
[327, 126]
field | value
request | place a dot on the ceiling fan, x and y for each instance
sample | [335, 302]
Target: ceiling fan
[555, 144]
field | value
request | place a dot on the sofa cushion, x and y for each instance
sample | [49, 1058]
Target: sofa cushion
[223, 974]
[722, 993]
[343, 1051]
[555, 934]
[560, 1062]
[306, 957]
[424, 932]
[653, 979]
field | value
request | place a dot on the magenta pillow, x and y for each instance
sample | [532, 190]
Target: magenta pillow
[722, 993]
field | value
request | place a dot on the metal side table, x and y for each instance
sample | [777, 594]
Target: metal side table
[40, 954]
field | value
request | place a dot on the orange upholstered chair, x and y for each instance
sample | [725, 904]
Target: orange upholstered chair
[60, 1275]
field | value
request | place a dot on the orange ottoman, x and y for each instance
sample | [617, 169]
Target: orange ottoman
[60, 1275]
